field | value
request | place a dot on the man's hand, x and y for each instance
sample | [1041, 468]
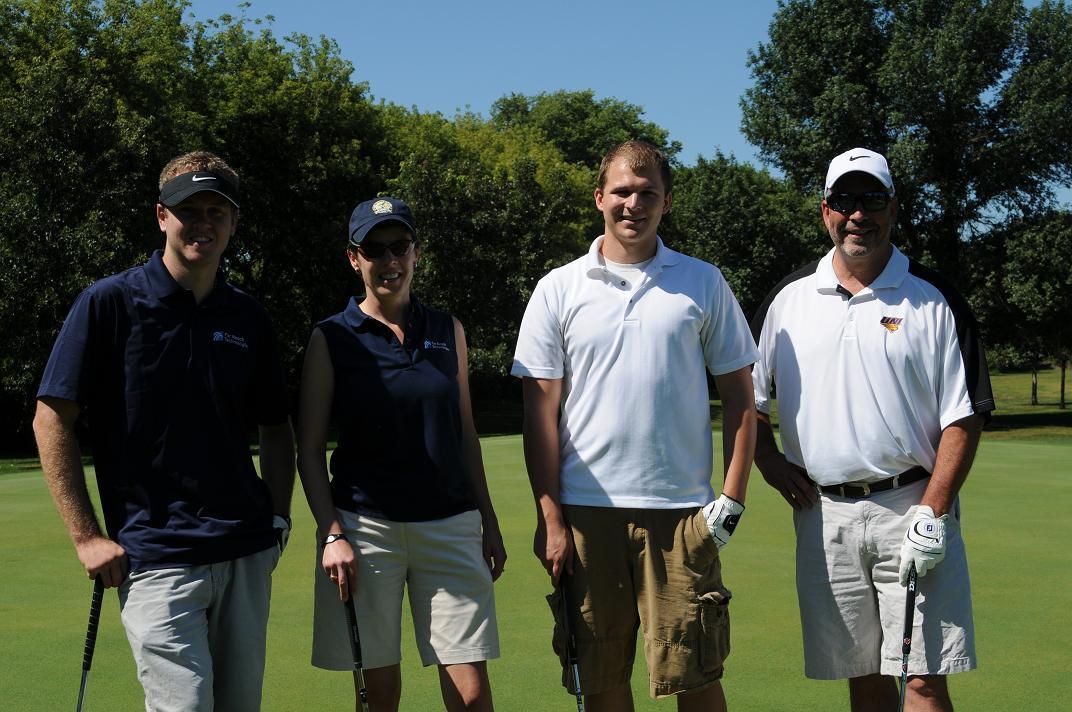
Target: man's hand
[722, 517]
[790, 481]
[105, 558]
[494, 550]
[924, 543]
[553, 546]
[281, 524]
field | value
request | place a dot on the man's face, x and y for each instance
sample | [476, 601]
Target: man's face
[632, 202]
[198, 229]
[860, 234]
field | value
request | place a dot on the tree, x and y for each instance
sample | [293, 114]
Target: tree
[582, 127]
[753, 226]
[970, 100]
[1038, 281]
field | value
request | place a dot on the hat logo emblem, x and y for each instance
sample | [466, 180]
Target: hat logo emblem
[892, 323]
[382, 207]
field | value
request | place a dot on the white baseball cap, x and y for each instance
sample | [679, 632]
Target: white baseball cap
[860, 160]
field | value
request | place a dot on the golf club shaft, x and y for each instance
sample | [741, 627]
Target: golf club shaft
[355, 649]
[906, 638]
[571, 642]
[91, 637]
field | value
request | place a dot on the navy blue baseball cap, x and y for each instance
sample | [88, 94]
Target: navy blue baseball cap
[184, 185]
[371, 213]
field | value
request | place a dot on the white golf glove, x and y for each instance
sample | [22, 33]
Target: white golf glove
[924, 543]
[722, 516]
[281, 525]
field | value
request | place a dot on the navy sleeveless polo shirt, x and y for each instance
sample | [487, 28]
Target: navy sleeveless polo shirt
[399, 453]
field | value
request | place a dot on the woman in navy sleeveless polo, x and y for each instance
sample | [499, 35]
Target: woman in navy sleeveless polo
[407, 504]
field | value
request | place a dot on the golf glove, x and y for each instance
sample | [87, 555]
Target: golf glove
[282, 531]
[924, 543]
[722, 516]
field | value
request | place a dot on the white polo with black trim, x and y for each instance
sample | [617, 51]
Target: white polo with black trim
[633, 354]
[866, 383]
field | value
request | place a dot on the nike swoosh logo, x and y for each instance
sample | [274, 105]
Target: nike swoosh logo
[851, 158]
[198, 179]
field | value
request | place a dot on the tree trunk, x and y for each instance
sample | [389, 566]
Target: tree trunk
[1034, 385]
[1064, 367]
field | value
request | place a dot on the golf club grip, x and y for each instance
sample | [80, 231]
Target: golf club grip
[94, 621]
[355, 636]
[909, 614]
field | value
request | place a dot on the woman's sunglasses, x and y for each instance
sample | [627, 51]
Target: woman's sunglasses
[376, 250]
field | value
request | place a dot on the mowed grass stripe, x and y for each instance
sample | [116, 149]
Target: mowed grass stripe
[1015, 522]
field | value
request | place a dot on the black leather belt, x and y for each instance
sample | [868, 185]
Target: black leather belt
[863, 490]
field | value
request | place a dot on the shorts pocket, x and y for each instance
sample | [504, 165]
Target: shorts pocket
[714, 630]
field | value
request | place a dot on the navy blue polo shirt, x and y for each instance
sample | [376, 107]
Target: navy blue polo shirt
[171, 390]
[399, 454]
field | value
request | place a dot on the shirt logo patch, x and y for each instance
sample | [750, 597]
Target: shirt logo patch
[440, 345]
[222, 337]
[892, 323]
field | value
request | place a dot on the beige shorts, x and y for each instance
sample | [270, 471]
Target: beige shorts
[852, 603]
[451, 597]
[656, 568]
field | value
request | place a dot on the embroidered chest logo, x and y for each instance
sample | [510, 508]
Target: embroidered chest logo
[438, 345]
[222, 337]
[892, 323]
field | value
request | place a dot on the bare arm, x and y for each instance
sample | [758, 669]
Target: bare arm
[316, 398]
[552, 543]
[61, 461]
[738, 430]
[956, 453]
[790, 481]
[494, 550]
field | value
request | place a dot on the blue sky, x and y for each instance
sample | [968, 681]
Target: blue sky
[683, 61]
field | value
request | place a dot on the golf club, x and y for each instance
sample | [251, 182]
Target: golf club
[355, 647]
[906, 639]
[571, 644]
[91, 637]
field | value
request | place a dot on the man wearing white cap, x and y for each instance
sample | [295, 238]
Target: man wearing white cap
[882, 392]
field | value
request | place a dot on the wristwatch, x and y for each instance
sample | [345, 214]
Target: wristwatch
[332, 538]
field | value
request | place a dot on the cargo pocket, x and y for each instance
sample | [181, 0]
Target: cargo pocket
[714, 630]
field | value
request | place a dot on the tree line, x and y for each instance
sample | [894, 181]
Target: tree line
[970, 100]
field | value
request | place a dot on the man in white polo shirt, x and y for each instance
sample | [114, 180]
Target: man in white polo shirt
[614, 349]
[882, 391]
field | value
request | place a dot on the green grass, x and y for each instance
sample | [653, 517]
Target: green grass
[1016, 418]
[1016, 524]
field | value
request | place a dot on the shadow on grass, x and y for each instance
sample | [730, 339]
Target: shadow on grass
[1019, 421]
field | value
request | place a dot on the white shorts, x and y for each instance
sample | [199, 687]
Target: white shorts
[852, 603]
[198, 633]
[451, 596]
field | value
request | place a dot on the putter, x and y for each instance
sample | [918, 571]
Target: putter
[571, 645]
[91, 637]
[355, 648]
[906, 639]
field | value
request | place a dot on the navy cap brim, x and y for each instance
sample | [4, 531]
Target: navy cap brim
[359, 235]
[184, 185]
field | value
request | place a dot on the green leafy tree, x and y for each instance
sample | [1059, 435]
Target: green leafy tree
[582, 127]
[754, 227]
[1038, 280]
[971, 100]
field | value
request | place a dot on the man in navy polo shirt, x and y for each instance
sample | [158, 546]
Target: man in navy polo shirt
[882, 392]
[171, 366]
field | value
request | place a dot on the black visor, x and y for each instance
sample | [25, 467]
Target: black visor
[184, 185]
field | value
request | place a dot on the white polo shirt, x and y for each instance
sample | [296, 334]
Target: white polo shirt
[635, 427]
[866, 383]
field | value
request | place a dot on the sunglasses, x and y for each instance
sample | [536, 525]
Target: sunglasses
[376, 250]
[845, 203]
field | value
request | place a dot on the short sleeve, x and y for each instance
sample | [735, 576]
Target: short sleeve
[270, 395]
[763, 371]
[540, 351]
[727, 341]
[70, 366]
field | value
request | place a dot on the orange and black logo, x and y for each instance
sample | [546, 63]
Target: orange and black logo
[892, 323]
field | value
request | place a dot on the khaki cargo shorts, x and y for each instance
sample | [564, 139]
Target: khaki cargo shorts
[657, 569]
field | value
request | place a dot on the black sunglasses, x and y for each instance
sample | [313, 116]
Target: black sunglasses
[376, 250]
[845, 203]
